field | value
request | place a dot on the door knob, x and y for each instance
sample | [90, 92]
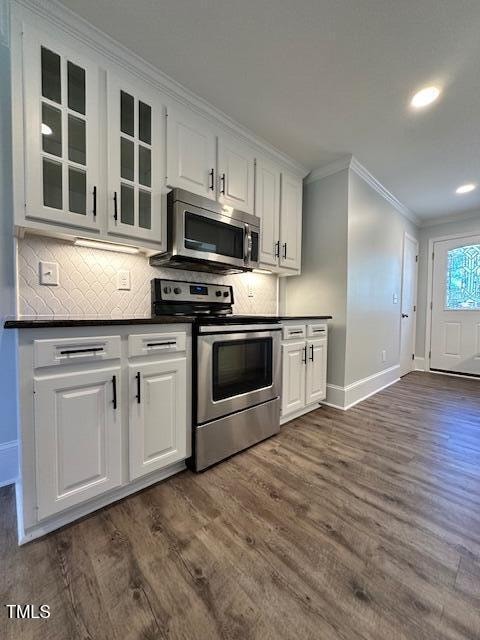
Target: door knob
[404, 315]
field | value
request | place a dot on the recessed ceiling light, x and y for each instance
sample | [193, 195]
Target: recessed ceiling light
[46, 130]
[106, 246]
[466, 188]
[424, 97]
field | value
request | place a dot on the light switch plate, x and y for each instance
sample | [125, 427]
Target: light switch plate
[123, 280]
[48, 273]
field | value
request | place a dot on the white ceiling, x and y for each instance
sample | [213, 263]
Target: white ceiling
[320, 79]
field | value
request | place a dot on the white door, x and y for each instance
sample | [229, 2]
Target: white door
[455, 337]
[293, 376]
[191, 153]
[316, 381]
[78, 437]
[291, 222]
[267, 208]
[61, 133]
[158, 415]
[408, 314]
[135, 161]
[236, 171]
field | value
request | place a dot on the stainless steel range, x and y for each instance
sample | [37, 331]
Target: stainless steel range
[236, 378]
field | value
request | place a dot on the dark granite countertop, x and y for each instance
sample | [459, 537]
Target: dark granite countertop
[305, 317]
[22, 323]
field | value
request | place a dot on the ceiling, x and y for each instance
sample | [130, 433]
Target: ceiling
[322, 79]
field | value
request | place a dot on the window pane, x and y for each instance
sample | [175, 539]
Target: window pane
[77, 191]
[52, 184]
[463, 278]
[144, 122]
[51, 130]
[51, 83]
[127, 207]
[126, 113]
[144, 166]
[76, 88]
[145, 209]
[126, 159]
[76, 140]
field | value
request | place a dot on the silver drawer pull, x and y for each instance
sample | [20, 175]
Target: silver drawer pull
[71, 351]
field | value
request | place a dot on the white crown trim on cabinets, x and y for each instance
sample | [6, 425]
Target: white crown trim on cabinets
[81, 30]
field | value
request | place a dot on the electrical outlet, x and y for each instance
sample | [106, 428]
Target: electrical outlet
[123, 280]
[384, 355]
[48, 273]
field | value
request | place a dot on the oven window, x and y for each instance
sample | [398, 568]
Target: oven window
[240, 366]
[212, 236]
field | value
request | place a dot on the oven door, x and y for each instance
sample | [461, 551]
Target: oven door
[209, 236]
[236, 371]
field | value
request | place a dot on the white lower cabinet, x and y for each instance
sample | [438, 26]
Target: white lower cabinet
[158, 415]
[78, 437]
[293, 387]
[304, 370]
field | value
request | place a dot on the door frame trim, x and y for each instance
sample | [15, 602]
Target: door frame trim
[429, 314]
[408, 236]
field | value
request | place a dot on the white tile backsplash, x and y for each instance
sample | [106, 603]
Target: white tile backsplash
[88, 283]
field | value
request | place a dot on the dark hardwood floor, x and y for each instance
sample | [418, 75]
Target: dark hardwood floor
[352, 525]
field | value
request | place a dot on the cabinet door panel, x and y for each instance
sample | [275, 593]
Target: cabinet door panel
[316, 387]
[61, 106]
[291, 222]
[135, 161]
[78, 436]
[267, 208]
[236, 169]
[293, 377]
[158, 415]
[191, 153]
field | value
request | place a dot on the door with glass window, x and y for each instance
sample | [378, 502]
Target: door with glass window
[455, 337]
[61, 132]
[135, 160]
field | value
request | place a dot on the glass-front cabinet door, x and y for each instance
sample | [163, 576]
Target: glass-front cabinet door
[136, 160]
[61, 133]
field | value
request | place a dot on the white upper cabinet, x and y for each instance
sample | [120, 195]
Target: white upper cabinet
[191, 153]
[135, 160]
[267, 208]
[236, 171]
[61, 132]
[291, 222]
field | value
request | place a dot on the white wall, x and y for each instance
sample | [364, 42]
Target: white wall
[375, 255]
[8, 427]
[322, 286]
[470, 226]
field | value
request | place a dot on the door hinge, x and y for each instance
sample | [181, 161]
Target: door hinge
[433, 255]
[431, 305]
[413, 356]
[414, 308]
[416, 258]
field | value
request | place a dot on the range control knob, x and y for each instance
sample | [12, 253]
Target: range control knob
[167, 289]
[225, 294]
[177, 290]
[218, 293]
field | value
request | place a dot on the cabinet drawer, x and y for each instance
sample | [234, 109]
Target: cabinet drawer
[294, 331]
[317, 330]
[148, 344]
[49, 353]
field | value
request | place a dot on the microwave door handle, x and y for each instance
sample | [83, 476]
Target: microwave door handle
[247, 245]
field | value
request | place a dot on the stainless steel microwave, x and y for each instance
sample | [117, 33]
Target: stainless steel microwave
[203, 235]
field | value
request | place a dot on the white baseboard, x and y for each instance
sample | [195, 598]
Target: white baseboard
[419, 364]
[8, 462]
[346, 397]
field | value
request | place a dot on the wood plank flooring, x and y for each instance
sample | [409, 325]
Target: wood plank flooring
[358, 525]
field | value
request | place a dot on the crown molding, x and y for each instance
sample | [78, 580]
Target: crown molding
[59, 16]
[452, 217]
[328, 170]
[367, 177]
[5, 23]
